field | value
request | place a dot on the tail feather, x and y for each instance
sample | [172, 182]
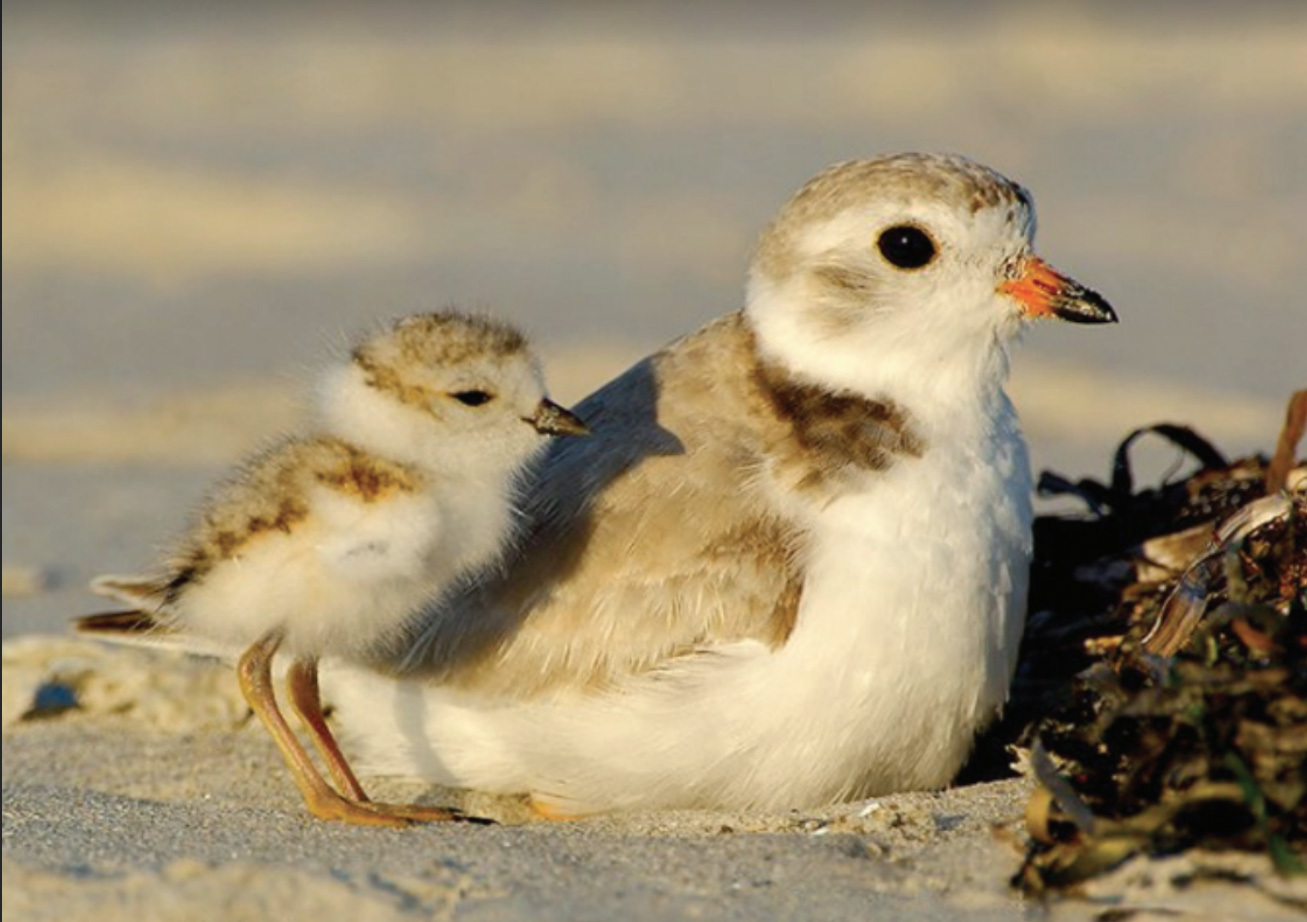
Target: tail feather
[146, 594]
[145, 622]
[115, 623]
[135, 628]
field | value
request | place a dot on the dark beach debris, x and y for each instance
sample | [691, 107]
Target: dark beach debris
[1162, 691]
[52, 698]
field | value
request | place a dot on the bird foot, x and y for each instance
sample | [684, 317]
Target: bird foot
[394, 816]
[545, 811]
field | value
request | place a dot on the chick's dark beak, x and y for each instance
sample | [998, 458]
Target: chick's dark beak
[1042, 291]
[551, 419]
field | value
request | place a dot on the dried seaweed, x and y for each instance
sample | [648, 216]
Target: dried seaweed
[1162, 691]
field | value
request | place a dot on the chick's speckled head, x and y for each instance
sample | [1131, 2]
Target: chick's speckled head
[442, 389]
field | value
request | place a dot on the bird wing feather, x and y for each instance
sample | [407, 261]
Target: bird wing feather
[647, 540]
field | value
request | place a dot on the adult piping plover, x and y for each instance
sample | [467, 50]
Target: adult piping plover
[327, 543]
[789, 566]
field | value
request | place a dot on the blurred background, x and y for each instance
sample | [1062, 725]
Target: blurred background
[200, 200]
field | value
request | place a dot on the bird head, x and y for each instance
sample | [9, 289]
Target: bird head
[907, 271]
[446, 390]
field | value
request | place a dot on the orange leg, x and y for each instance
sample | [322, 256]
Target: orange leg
[255, 674]
[305, 698]
[302, 680]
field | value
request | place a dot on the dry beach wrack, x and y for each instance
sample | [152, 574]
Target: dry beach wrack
[1180, 615]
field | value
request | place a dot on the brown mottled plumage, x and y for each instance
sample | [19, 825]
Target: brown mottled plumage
[270, 493]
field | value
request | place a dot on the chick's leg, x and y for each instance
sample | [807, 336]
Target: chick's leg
[255, 674]
[307, 701]
[302, 681]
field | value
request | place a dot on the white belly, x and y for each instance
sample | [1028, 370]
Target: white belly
[910, 622]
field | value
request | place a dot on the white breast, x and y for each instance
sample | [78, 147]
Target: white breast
[912, 613]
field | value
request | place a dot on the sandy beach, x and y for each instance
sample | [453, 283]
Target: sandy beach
[160, 798]
[198, 207]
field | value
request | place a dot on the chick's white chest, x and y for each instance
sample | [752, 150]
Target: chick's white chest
[453, 525]
[477, 519]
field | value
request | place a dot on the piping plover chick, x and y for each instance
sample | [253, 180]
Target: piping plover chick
[328, 542]
[789, 567]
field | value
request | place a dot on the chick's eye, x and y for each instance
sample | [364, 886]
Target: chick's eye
[906, 247]
[473, 398]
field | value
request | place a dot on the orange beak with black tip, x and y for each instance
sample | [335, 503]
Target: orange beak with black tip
[1044, 292]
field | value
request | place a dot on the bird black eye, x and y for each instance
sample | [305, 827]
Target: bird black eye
[473, 398]
[906, 247]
